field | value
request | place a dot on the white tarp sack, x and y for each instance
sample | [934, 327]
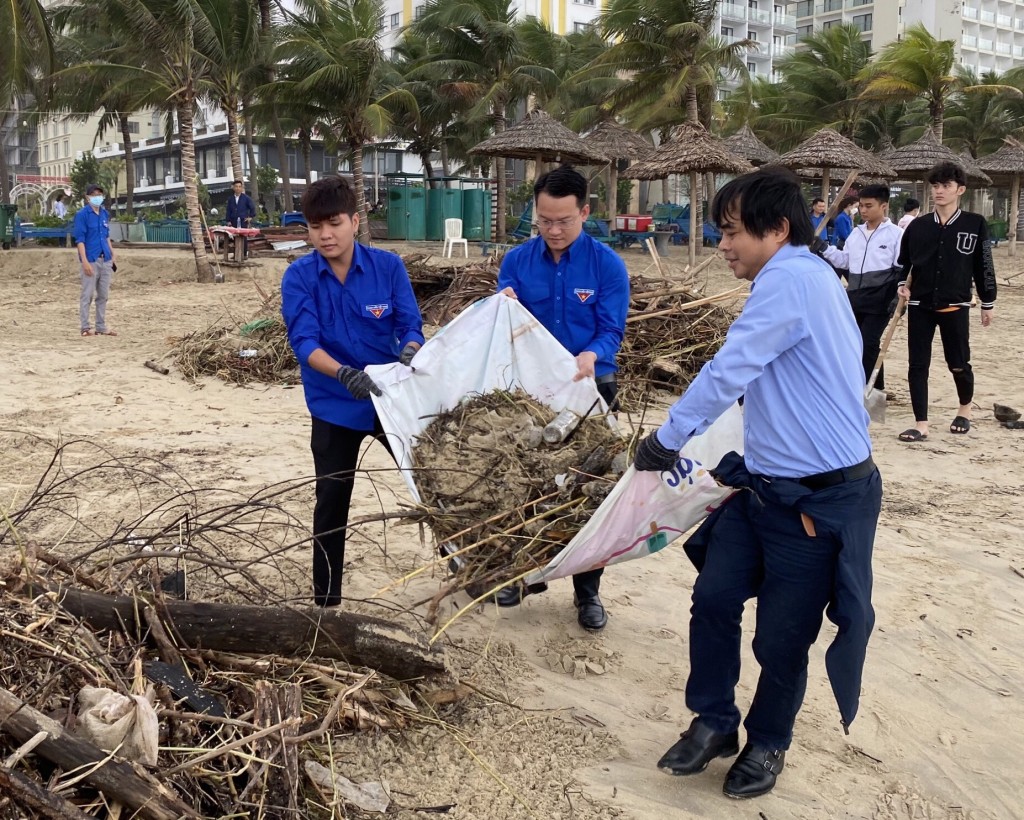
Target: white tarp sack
[647, 511]
[110, 720]
[496, 344]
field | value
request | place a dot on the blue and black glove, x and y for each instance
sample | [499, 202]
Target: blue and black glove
[405, 357]
[357, 382]
[652, 455]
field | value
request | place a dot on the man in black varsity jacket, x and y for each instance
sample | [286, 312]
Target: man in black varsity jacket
[941, 253]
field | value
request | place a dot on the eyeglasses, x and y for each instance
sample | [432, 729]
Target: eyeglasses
[548, 224]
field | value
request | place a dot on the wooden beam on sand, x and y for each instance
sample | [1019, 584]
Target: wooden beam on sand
[360, 640]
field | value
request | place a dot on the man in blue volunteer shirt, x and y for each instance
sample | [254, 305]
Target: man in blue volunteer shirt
[798, 534]
[346, 306]
[579, 290]
[96, 256]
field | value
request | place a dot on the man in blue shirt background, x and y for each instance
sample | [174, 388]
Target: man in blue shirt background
[96, 256]
[798, 535]
[346, 306]
[579, 290]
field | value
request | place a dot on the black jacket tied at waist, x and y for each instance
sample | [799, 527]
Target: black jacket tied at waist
[840, 511]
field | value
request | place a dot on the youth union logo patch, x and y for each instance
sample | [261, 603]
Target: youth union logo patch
[583, 293]
[966, 242]
[377, 310]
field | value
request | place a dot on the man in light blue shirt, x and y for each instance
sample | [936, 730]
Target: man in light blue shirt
[798, 535]
[579, 290]
[345, 306]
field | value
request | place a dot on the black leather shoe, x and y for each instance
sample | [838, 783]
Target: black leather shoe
[590, 613]
[696, 748]
[513, 595]
[754, 772]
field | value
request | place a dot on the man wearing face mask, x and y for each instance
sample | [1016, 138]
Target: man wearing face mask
[96, 256]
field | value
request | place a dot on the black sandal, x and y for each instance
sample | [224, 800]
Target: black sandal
[960, 425]
[911, 435]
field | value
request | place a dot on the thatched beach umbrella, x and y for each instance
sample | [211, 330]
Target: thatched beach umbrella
[1008, 162]
[693, 151]
[916, 159]
[542, 138]
[617, 142]
[831, 151]
[745, 143]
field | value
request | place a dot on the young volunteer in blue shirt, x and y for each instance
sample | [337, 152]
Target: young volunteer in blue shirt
[798, 535]
[346, 306]
[96, 256]
[579, 290]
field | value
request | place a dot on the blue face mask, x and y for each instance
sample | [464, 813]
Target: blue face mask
[96, 201]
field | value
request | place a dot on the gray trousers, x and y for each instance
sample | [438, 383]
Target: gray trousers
[98, 286]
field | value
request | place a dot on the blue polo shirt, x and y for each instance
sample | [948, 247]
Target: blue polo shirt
[582, 300]
[794, 352]
[367, 320]
[92, 229]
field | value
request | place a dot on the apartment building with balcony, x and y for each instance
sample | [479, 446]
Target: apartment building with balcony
[989, 34]
[770, 24]
[561, 16]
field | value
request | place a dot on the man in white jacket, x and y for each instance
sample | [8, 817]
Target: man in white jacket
[868, 263]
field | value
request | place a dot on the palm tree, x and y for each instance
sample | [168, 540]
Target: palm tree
[667, 49]
[81, 39]
[269, 30]
[26, 50]
[569, 96]
[234, 62]
[920, 66]
[478, 48]
[424, 127]
[164, 47]
[979, 122]
[333, 63]
[823, 82]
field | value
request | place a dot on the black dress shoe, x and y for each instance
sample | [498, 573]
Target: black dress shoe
[590, 613]
[513, 595]
[697, 747]
[754, 772]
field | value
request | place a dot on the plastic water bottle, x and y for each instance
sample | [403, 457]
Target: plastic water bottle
[238, 222]
[563, 424]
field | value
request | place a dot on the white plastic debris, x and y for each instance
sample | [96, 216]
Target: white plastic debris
[370, 797]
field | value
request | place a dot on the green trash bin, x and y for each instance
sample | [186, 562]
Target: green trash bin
[7, 213]
[442, 204]
[473, 211]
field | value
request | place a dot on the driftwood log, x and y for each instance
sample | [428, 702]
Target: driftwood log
[360, 640]
[117, 779]
[30, 795]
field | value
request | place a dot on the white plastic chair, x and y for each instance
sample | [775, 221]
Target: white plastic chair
[453, 236]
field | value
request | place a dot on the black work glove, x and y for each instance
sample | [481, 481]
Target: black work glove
[357, 382]
[405, 357]
[818, 246]
[651, 454]
[113, 267]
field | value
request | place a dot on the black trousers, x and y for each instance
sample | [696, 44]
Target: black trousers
[954, 330]
[335, 456]
[760, 549]
[587, 584]
[872, 326]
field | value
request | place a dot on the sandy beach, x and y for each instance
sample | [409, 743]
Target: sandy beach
[939, 734]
